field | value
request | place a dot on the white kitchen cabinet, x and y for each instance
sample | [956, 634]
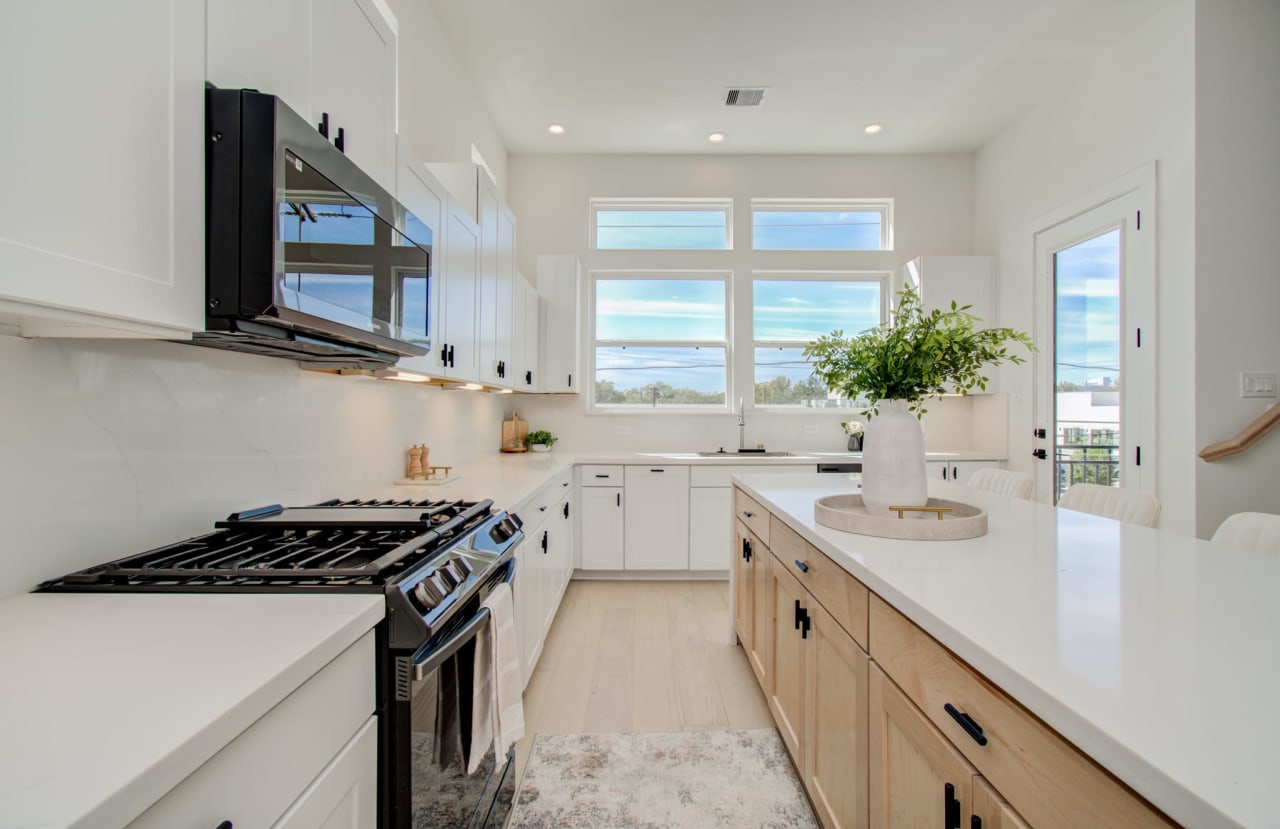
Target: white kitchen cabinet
[345, 795]
[957, 471]
[499, 311]
[457, 343]
[322, 57]
[313, 744]
[656, 523]
[710, 527]
[968, 280]
[544, 563]
[103, 170]
[559, 286]
[528, 331]
[600, 527]
[424, 196]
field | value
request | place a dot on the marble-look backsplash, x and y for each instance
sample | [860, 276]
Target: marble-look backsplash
[114, 447]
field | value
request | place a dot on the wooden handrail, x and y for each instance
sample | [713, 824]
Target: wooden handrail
[1248, 436]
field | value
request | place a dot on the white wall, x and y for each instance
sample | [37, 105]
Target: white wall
[1135, 105]
[441, 114]
[1237, 296]
[111, 448]
[549, 194]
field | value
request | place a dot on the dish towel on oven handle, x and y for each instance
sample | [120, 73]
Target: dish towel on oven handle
[497, 711]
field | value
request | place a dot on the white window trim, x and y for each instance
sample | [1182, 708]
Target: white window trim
[597, 204]
[595, 276]
[883, 206]
[885, 280]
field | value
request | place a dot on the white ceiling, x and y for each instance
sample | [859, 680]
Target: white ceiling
[649, 76]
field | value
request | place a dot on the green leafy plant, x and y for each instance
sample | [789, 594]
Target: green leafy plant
[917, 356]
[540, 436]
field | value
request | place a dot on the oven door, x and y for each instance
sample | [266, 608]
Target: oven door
[433, 728]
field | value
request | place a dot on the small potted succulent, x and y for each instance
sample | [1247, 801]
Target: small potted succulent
[540, 441]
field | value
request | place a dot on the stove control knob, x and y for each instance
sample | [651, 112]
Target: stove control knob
[445, 578]
[462, 567]
[428, 594]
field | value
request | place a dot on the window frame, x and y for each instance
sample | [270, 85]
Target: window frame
[594, 277]
[883, 206]
[882, 277]
[597, 204]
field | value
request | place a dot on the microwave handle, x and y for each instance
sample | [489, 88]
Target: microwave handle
[438, 656]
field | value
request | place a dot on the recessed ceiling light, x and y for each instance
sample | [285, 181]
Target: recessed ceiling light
[555, 129]
[873, 129]
[717, 137]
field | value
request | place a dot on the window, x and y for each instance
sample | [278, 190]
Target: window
[788, 311]
[822, 224]
[660, 340]
[653, 224]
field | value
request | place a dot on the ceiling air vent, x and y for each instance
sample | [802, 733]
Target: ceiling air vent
[745, 97]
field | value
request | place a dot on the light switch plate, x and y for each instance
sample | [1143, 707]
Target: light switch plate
[1257, 384]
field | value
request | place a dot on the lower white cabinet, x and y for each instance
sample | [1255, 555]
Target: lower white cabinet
[656, 522]
[544, 563]
[312, 746]
[710, 527]
[600, 536]
[957, 471]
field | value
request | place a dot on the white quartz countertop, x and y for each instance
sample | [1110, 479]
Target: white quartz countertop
[510, 479]
[1154, 653]
[107, 701]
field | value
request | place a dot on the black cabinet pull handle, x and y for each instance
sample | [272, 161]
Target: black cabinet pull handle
[570, 383]
[226, 824]
[804, 568]
[602, 476]
[748, 513]
[566, 509]
[619, 499]
[746, 549]
[451, 357]
[502, 369]
[952, 806]
[1039, 453]
[657, 470]
[966, 722]
[528, 378]
[544, 541]
[341, 141]
[799, 614]
[444, 354]
[975, 822]
[323, 126]
[944, 472]
[805, 625]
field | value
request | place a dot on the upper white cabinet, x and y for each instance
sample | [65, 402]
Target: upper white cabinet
[458, 278]
[324, 58]
[559, 288]
[968, 280]
[424, 196]
[498, 309]
[522, 372]
[102, 221]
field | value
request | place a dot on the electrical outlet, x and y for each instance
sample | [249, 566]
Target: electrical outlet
[621, 429]
[811, 428]
[1257, 384]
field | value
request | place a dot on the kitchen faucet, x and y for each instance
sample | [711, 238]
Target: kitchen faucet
[742, 426]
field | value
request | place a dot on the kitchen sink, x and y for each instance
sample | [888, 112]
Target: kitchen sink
[744, 454]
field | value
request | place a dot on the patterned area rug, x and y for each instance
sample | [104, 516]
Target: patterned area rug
[684, 780]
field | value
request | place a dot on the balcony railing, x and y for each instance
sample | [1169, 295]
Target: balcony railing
[1087, 463]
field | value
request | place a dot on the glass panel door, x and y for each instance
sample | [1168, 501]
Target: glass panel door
[1086, 363]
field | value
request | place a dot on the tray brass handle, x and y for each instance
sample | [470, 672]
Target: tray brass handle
[938, 510]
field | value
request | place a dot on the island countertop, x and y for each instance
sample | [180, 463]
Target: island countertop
[1154, 653]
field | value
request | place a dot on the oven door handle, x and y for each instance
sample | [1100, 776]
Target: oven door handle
[437, 656]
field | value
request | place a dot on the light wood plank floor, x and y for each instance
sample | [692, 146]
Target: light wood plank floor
[634, 656]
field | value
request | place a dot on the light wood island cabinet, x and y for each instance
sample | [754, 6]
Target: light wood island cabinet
[888, 728]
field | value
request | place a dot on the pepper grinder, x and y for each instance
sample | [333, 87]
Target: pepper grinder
[415, 462]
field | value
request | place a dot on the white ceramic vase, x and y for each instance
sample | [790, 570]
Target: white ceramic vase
[893, 472]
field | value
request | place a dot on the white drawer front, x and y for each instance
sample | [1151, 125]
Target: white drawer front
[598, 475]
[258, 775]
[722, 475]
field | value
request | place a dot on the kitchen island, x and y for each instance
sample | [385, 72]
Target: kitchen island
[1149, 652]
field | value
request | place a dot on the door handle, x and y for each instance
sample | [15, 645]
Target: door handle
[1039, 453]
[566, 509]
[952, 806]
[544, 541]
[619, 499]
[746, 549]
[969, 724]
[451, 357]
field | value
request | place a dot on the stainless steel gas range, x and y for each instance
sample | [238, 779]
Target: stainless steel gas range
[435, 562]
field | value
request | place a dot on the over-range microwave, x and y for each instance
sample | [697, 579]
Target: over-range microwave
[307, 256]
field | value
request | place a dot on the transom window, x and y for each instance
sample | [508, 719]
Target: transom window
[822, 224]
[789, 310]
[660, 340]
[657, 224]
